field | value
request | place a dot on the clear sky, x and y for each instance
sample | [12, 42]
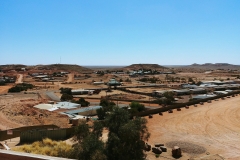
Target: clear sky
[123, 32]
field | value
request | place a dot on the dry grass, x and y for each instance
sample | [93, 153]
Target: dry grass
[47, 147]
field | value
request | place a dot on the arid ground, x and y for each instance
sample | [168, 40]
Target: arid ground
[213, 126]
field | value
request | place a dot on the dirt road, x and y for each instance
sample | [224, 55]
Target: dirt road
[70, 77]
[19, 79]
[214, 126]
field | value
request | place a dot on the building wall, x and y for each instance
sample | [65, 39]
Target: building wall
[12, 155]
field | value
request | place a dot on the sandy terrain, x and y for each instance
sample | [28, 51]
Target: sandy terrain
[214, 126]
[19, 79]
[70, 77]
[4, 89]
[17, 110]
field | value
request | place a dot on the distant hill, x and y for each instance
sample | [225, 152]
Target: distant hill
[64, 67]
[13, 66]
[144, 66]
[53, 67]
[211, 66]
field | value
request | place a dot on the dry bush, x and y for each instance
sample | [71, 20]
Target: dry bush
[47, 147]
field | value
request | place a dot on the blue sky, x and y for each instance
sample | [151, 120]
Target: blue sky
[107, 32]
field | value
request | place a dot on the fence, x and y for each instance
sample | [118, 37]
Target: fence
[37, 135]
[175, 106]
[16, 132]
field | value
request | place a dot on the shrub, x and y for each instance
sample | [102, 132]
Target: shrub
[47, 147]
[21, 87]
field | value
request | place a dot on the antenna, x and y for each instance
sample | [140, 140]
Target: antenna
[60, 59]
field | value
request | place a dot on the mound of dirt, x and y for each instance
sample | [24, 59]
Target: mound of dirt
[187, 147]
[144, 67]
[68, 67]
[209, 66]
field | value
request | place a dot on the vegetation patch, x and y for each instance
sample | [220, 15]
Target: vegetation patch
[21, 87]
[47, 147]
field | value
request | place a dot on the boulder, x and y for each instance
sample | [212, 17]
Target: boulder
[163, 148]
[176, 151]
[147, 147]
[158, 144]
[156, 150]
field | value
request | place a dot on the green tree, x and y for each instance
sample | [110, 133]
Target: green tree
[136, 107]
[66, 90]
[101, 113]
[97, 128]
[83, 102]
[169, 98]
[89, 147]
[190, 80]
[126, 137]
[107, 106]
[66, 97]
[81, 131]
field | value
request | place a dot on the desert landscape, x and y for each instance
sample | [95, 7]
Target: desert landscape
[207, 131]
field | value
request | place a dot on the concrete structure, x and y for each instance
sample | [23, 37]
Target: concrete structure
[13, 155]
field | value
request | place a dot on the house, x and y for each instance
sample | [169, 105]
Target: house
[160, 93]
[220, 92]
[181, 92]
[81, 91]
[198, 91]
[113, 82]
[203, 96]
[98, 83]
[189, 86]
[85, 111]
[58, 105]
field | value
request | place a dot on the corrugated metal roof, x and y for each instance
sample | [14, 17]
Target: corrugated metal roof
[198, 89]
[44, 106]
[67, 105]
[203, 96]
[181, 91]
[83, 109]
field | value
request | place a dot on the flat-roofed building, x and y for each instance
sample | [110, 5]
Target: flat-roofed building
[198, 91]
[182, 92]
[203, 96]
